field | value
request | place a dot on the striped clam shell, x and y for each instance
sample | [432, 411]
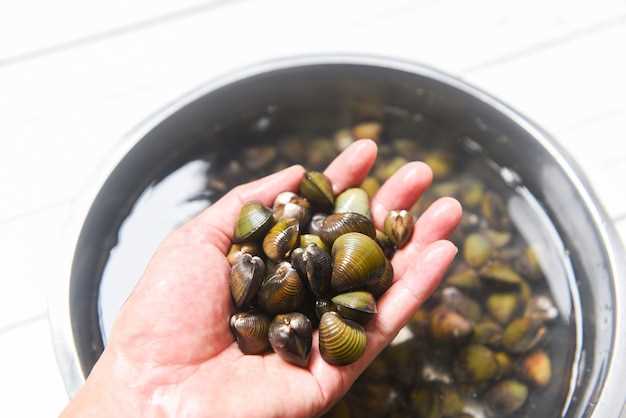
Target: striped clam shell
[281, 238]
[338, 224]
[341, 341]
[358, 261]
[283, 291]
[246, 277]
[250, 330]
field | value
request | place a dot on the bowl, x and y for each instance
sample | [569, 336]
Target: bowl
[338, 87]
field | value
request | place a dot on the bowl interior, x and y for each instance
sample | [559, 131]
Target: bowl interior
[278, 100]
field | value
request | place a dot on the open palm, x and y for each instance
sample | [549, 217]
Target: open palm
[171, 353]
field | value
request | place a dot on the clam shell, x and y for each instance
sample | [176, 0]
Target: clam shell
[250, 331]
[291, 336]
[384, 282]
[341, 341]
[246, 277]
[358, 261]
[254, 221]
[399, 226]
[314, 265]
[281, 239]
[359, 306]
[317, 188]
[283, 291]
[339, 224]
[353, 200]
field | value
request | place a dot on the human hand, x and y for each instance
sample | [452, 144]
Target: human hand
[171, 352]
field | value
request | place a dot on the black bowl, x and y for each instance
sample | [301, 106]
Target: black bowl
[338, 87]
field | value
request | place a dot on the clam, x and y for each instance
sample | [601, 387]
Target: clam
[291, 336]
[250, 330]
[357, 262]
[383, 283]
[495, 212]
[541, 308]
[476, 363]
[339, 224]
[477, 250]
[246, 277]
[505, 363]
[454, 299]
[498, 239]
[367, 130]
[502, 306]
[389, 248]
[448, 325]
[359, 306]
[371, 186]
[236, 250]
[506, 397]
[306, 239]
[522, 335]
[353, 200]
[281, 239]
[315, 226]
[451, 401]
[399, 226]
[466, 279]
[341, 341]
[528, 264]
[536, 368]
[314, 265]
[290, 205]
[487, 332]
[253, 222]
[500, 274]
[317, 188]
[283, 291]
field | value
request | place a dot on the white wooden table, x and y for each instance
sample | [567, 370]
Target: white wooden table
[76, 75]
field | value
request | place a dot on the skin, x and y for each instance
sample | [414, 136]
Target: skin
[171, 353]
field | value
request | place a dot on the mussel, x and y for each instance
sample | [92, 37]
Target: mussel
[291, 336]
[246, 277]
[357, 262]
[338, 224]
[290, 205]
[353, 200]
[314, 265]
[283, 291]
[358, 306]
[341, 341]
[399, 226]
[281, 239]
[254, 221]
[317, 188]
[250, 330]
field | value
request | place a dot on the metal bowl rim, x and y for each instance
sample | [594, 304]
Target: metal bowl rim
[58, 294]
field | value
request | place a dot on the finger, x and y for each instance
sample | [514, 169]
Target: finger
[401, 190]
[436, 223]
[351, 166]
[395, 308]
[217, 222]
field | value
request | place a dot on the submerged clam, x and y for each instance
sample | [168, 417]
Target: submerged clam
[449, 325]
[314, 265]
[245, 279]
[317, 188]
[339, 224]
[353, 200]
[522, 335]
[502, 306]
[253, 222]
[476, 363]
[494, 211]
[477, 250]
[487, 332]
[456, 300]
[506, 397]
[250, 330]
[281, 239]
[341, 341]
[291, 336]
[290, 205]
[399, 226]
[359, 306]
[283, 291]
[357, 262]
[536, 368]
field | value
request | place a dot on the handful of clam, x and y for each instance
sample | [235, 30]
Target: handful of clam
[297, 266]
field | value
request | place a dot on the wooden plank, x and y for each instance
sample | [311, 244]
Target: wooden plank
[69, 108]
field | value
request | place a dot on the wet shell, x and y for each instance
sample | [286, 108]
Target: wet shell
[236, 250]
[506, 397]
[353, 200]
[339, 224]
[341, 341]
[282, 292]
[477, 250]
[357, 262]
[522, 335]
[281, 239]
[290, 205]
[389, 248]
[306, 239]
[314, 265]
[385, 281]
[246, 277]
[317, 188]
[315, 226]
[399, 226]
[253, 222]
[291, 336]
[250, 330]
[359, 306]
[322, 306]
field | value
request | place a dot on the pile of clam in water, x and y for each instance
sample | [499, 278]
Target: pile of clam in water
[314, 260]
